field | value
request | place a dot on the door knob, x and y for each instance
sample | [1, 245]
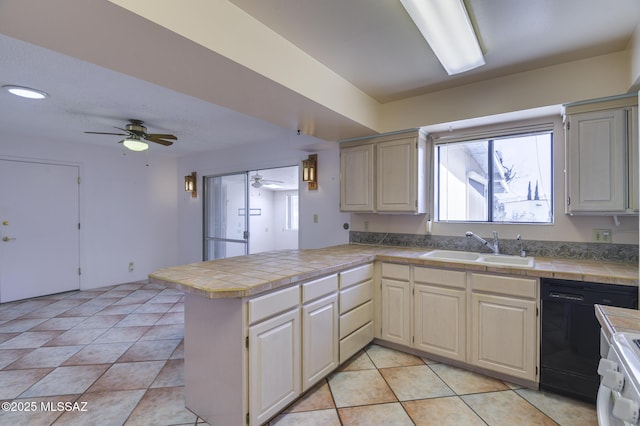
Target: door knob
[5, 239]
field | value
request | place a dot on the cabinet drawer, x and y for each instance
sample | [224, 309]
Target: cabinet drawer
[356, 275]
[355, 319]
[519, 287]
[273, 303]
[318, 288]
[455, 279]
[399, 272]
[357, 340]
[355, 296]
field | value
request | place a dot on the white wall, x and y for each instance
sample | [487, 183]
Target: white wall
[261, 227]
[283, 238]
[127, 209]
[323, 202]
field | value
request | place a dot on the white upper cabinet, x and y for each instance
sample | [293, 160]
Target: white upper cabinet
[601, 157]
[356, 178]
[387, 174]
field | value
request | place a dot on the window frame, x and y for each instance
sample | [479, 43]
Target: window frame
[288, 212]
[490, 136]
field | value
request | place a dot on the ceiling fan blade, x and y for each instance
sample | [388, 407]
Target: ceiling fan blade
[268, 181]
[160, 141]
[104, 133]
[161, 136]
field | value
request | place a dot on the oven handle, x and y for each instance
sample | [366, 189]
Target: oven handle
[564, 296]
[603, 405]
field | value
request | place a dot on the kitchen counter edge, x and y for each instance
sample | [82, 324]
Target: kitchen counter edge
[252, 275]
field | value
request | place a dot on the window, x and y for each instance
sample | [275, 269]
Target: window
[502, 179]
[292, 212]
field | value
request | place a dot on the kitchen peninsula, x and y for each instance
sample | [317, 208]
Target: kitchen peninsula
[263, 328]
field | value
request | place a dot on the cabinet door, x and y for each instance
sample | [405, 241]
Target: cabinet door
[396, 311]
[397, 175]
[356, 179]
[320, 339]
[634, 182]
[274, 365]
[503, 335]
[440, 321]
[596, 161]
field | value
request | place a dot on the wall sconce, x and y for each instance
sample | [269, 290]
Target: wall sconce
[190, 184]
[310, 171]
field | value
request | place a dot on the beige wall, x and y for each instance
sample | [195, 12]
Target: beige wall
[634, 60]
[591, 78]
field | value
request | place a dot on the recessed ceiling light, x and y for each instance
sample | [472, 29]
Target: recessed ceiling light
[25, 92]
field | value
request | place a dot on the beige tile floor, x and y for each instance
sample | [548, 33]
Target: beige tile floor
[114, 355]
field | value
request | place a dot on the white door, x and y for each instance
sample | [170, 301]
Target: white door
[39, 236]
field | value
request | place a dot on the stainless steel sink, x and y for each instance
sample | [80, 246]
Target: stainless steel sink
[482, 258]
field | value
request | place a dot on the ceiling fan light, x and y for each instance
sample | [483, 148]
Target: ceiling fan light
[135, 144]
[26, 92]
[447, 28]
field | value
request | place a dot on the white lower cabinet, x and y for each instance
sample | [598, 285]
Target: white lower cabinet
[247, 359]
[356, 310]
[485, 320]
[396, 311]
[504, 331]
[274, 365]
[440, 312]
[273, 339]
[440, 326]
[395, 286]
[319, 339]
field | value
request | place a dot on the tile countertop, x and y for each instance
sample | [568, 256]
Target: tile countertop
[251, 275]
[613, 319]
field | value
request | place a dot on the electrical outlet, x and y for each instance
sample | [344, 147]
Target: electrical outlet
[130, 266]
[601, 235]
[366, 225]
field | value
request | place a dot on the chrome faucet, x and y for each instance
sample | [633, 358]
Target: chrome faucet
[523, 252]
[495, 247]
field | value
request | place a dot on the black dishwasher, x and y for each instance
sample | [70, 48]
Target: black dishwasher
[570, 333]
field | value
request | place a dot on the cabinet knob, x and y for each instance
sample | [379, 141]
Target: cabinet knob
[614, 380]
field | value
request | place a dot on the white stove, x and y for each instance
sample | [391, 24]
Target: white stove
[618, 401]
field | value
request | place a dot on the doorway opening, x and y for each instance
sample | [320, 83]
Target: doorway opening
[250, 212]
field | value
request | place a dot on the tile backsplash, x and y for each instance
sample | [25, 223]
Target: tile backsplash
[627, 253]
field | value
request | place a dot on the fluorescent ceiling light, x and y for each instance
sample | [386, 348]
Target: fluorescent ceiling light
[25, 92]
[447, 28]
[135, 144]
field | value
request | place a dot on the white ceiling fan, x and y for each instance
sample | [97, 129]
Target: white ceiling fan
[257, 181]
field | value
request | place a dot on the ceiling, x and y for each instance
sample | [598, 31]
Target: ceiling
[372, 44]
